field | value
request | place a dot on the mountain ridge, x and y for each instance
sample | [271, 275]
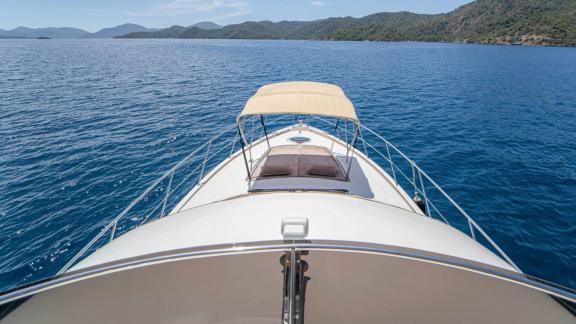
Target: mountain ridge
[52, 32]
[119, 30]
[74, 33]
[206, 25]
[522, 22]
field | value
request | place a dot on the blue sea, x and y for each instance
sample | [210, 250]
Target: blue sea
[86, 125]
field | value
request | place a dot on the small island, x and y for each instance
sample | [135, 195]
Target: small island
[43, 37]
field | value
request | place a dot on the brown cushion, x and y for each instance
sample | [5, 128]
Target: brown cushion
[303, 161]
[319, 170]
[274, 171]
[278, 165]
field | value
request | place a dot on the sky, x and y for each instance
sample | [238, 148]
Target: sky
[93, 15]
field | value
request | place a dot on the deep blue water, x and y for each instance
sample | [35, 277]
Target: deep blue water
[85, 125]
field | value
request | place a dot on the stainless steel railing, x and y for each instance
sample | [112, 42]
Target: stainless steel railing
[407, 176]
[420, 182]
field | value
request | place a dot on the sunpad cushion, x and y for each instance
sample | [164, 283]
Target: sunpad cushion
[329, 171]
[274, 171]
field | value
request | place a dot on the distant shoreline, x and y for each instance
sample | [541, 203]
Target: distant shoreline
[360, 41]
[308, 40]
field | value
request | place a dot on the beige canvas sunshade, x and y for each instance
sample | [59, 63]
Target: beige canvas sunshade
[301, 98]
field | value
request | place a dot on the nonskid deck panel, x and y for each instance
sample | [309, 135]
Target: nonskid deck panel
[242, 283]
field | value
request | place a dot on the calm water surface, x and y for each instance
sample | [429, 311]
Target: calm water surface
[86, 125]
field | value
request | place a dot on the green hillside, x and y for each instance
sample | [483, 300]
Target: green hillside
[528, 22]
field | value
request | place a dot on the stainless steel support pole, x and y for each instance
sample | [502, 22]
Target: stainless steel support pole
[293, 268]
[264, 128]
[351, 155]
[244, 153]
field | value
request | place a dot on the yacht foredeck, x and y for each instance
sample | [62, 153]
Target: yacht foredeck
[349, 199]
[366, 179]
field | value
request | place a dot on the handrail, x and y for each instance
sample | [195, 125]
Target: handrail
[111, 226]
[208, 145]
[552, 289]
[395, 168]
[456, 205]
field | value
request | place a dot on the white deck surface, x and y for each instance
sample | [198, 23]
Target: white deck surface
[259, 217]
[229, 179]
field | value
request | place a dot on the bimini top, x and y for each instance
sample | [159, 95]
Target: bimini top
[301, 98]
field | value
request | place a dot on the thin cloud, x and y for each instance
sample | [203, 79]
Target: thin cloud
[230, 8]
[318, 3]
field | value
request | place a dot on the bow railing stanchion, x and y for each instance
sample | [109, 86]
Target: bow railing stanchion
[233, 144]
[472, 230]
[391, 164]
[424, 193]
[167, 194]
[205, 160]
[363, 142]
[113, 231]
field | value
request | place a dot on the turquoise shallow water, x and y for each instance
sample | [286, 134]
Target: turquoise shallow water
[85, 125]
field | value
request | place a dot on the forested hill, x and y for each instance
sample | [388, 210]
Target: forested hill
[528, 22]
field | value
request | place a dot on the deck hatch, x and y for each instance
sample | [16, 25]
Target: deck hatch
[299, 139]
